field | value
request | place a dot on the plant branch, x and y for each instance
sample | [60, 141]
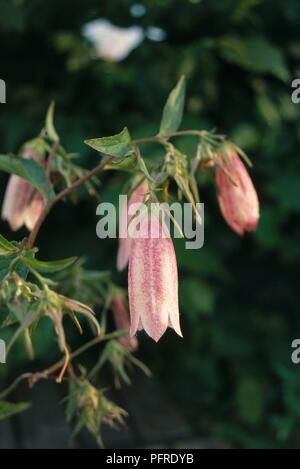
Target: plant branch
[97, 169]
[35, 377]
[161, 138]
[78, 183]
[15, 383]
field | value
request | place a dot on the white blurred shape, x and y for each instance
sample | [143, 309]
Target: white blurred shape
[138, 10]
[112, 42]
[156, 34]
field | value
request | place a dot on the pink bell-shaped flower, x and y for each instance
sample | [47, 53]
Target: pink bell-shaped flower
[137, 198]
[22, 203]
[153, 280]
[237, 196]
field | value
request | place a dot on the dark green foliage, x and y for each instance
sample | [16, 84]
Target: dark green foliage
[239, 300]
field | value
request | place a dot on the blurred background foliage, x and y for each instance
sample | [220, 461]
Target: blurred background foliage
[232, 373]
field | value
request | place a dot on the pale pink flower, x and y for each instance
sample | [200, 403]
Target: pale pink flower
[121, 318]
[237, 196]
[33, 210]
[153, 281]
[137, 198]
[22, 203]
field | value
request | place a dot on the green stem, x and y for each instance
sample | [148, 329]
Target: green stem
[61, 195]
[161, 138]
[15, 383]
[53, 368]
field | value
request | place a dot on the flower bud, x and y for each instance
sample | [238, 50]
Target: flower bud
[34, 210]
[121, 318]
[237, 196]
[22, 203]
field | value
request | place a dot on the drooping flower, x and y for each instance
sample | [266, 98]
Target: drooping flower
[33, 210]
[153, 280]
[237, 196]
[121, 318]
[137, 198]
[22, 203]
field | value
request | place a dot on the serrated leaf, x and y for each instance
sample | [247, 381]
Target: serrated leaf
[173, 110]
[27, 169]
[7, 409]
[51, 266]
[5, 262]
[7, 257]
[6, 245]
[128, 164]
[50, 129]
[118, 145]
[22, 270]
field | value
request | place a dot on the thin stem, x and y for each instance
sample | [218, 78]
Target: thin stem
[79, 351]
[61, 195]
[65, 366]
[97, 169]
[34, 377]
[15, 383]
[137, 151]
[161, 138]
[28, 344]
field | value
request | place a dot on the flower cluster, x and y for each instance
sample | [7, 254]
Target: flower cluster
[152, 274]
[42, 174]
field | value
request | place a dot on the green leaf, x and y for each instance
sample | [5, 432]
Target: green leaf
[5, 262]
[7, 409]
[173, 110]
[117, 145]
[255, 54]
[6, 245]
[27, 169]
[22, 269]
[51, 266]
[144, 169]
[25, 322]
[50, 129]
[129, 164]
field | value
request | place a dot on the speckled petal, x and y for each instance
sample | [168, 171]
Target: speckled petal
[238, 203]
[137, 197]
[16, 199]
[34, 210]
[153, 284]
